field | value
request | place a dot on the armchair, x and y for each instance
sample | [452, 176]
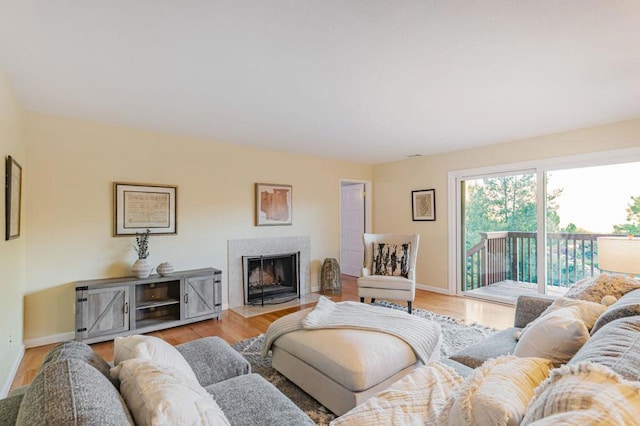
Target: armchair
[373, 284]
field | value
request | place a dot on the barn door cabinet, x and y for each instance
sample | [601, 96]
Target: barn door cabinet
[113, 307]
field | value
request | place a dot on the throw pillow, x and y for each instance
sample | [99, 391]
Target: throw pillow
[391, 259]
[594, 289]
[556, 336]
[627, 306]
[150, 348]
[589, 311]
[160, 395]
[497, 393]
[617, 346]
[585, 393]
[416, 399]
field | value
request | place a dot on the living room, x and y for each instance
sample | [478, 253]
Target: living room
[71, 162]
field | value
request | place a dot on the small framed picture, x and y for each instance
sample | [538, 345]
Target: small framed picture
[273, 204]
[13, 198]
[138, 207]
[423, 204]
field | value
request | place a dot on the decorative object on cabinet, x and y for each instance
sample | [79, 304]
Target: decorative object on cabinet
[273, 204]
[423, 204]
[112, 307]
[165, 269]
[138, 207]
[13, 198]
[142, 267]
[330, 277]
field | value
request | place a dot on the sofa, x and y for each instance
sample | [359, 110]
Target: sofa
[482, 384]
[74, 385]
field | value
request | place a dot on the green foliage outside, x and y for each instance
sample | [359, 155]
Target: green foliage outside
[633, 219]
[506, 203]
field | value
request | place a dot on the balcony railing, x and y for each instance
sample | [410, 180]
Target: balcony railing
[502, 256]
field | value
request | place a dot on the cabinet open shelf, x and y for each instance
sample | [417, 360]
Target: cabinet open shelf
[149, 322]
[156, 303]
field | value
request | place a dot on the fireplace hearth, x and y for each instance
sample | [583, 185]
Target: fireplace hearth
[271, 279]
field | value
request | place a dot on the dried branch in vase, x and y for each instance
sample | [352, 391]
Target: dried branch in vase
[142, 244]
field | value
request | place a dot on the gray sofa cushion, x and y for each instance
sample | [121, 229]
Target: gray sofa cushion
[501, 343]
[252, 401]
[9, 408]
[71, 392]
[528, 308]
[213, 360]
[461, 369]
[617, 346]
[82, 352]
[627, 306]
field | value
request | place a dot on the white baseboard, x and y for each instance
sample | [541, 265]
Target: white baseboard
[47, 340]
[315, 289]
[434, 289]
[12, 374]
[225, 306]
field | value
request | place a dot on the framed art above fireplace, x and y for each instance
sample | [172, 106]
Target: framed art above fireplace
[273, 204]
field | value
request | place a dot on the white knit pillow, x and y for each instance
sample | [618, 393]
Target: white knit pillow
[556, 336]
[151, 348]
[585, 394]
[160, 395]
[497, 393]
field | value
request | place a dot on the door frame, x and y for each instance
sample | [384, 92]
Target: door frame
[367, 205]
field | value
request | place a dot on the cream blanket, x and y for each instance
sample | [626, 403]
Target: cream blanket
[419, 399]
[422, 335]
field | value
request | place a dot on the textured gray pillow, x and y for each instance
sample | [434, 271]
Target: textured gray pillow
[494, 346]
[617, 346]
[627, 306]
[594, 289]
[71, 392]
[82, 352]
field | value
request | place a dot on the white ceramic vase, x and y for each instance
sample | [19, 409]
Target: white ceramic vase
[142, 268]
[165, 269]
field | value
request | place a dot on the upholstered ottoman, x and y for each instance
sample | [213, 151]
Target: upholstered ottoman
[342, 368]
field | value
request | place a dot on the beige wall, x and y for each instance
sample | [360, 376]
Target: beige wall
[69, 206]
[12, 253]
[393, 183]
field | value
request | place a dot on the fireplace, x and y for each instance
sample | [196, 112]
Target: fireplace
[271, 279]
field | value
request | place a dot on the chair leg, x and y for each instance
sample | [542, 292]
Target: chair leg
[409, 304]
[373, 300]
[362, 300]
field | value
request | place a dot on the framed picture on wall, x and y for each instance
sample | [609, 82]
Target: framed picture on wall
[423, 204]
[273, 204]
[13, 198]
[138, 207]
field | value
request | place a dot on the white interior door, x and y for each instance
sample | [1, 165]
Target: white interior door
[352, 227]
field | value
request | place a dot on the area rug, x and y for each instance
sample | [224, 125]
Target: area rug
[456, 335]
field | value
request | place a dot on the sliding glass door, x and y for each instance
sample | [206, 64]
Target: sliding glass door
[500, 234]
[535, 230]
[588, 202]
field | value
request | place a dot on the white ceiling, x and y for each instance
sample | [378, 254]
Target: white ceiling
[365, 80]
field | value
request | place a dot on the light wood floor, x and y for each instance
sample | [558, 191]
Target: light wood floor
[233, 327]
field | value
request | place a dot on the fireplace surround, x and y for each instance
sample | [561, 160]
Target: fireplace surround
[254, 247]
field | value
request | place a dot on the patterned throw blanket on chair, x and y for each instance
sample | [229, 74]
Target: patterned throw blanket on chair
[422, 335]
